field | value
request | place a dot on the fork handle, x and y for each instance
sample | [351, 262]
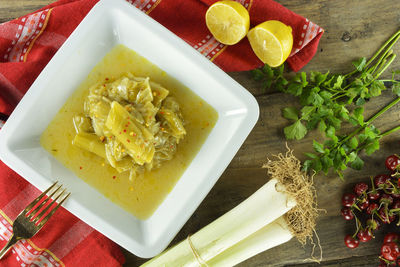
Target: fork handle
[7, 247]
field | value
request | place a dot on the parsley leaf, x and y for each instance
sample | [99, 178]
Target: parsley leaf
[360, 64]
[295, 131]
[318, 147]
[357, 164]
[290, 113]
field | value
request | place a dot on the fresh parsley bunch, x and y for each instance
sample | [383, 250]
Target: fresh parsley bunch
[326, 100]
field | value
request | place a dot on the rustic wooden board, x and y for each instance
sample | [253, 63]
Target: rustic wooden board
[352, 29]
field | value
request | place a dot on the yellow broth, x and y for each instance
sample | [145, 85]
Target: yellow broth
[143, 195]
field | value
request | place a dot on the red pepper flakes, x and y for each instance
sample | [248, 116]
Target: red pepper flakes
[114, 177]
[127, 140]
[126, 125]
[80, 167]
[107, 79]
[161, 112]
[129, 122]
[120, 133]
[104, 85]
[124, 130]
[207, 124]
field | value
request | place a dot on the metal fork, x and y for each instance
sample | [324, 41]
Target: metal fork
[30, 221]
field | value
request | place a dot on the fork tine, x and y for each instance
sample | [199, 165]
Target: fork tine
[36, 200]
[43, 212]
[45, 219]
[34, 212]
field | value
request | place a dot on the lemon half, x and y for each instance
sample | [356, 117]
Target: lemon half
[271, 41]
[228, 21]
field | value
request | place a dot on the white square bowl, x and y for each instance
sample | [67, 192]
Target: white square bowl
[109, 23]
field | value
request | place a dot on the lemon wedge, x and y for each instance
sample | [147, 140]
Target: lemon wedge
[271, 41]
[228, 21]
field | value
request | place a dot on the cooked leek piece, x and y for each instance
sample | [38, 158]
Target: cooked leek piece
[91, 143]
[82, 124]
[123, 89]
[98, 111]
[135, 113]
[131, 134]
[122, 164]
[116, 149]
[159, 93]
[174, 123]
[144, 95]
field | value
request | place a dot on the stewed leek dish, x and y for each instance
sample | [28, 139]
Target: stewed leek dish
[130, 131]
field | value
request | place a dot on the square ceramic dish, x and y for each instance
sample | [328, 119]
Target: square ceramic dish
[109, 23]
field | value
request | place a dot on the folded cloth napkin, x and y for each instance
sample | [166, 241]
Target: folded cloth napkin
[29, 42]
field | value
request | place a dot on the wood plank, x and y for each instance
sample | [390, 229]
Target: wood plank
[11, 9]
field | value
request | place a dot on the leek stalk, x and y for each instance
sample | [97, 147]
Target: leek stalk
[221, 236]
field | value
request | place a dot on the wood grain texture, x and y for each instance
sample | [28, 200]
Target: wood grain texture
[352, 29]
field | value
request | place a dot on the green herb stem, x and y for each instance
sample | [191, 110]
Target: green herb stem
[390, 131]
[391, 42]
[383, 68]
[383, 110]
[351, 135]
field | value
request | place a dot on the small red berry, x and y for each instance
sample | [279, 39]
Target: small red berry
[373, 224]
[386, 263]
[390, 251]
[392, 161]
[372, 207]
[374, 195]
[351, 242]
[385, 219]
[386, 199]
[381, 180]
[391, 237]
[360, 188]
[348, 200]
[347, 214]
[364, 235]
[364, 204]
[396, 205]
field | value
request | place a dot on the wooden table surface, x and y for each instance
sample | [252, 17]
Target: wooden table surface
[352, 29]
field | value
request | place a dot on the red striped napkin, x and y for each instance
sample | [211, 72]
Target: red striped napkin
[26, 46]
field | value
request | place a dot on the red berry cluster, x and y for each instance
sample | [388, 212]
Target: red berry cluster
[378, 204]
[390, 250]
